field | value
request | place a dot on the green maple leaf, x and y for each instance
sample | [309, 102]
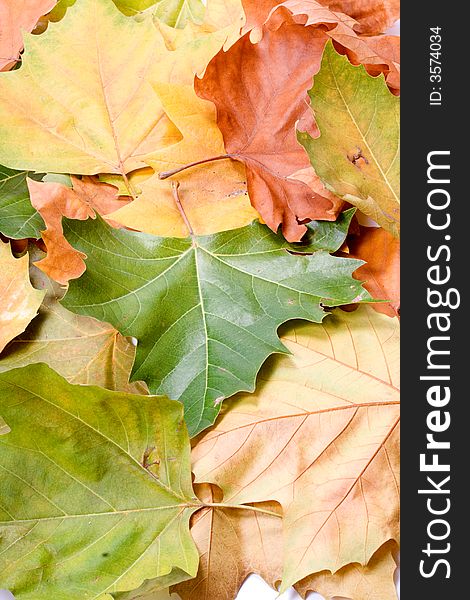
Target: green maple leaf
[96, 491]
[357, 154]
[18, 218]
[205, 310]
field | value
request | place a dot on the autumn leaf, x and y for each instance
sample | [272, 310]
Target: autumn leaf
[53, 201]
[372, 582]
[378, 56]
[330, 412]
[215, 196]
[205, 310]
[80, 349]
[122, 110]
[373, 16]
[106, 522]
[98, 113]
[17, 16]
[381, 273]
[18, 218]
[19, 301]
[257, 108]
[357, 153]
[232, 544]
[197, 250]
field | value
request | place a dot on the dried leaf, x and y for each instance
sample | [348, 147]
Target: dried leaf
[98, 113]
[320, 436]
[257, 108]
[232, 544]
[258, 12]
[80, 349]
[372, 582]
[357, 154]
[54, 201]
[373, 16]
[17, 16]
[377, 56]
[381, 273]
[19, 301]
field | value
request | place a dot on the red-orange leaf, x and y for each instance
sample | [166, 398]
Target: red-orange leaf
[54, 201]
[257, 109]
[381, 273]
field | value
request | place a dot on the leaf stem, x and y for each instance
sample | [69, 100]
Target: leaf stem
[263, 511]
[174, 188]
[129, 186]
[166, 174]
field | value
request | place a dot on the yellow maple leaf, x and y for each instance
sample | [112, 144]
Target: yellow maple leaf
[214, 195]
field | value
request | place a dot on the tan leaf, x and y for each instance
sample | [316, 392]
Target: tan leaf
[381, 273]
[19, 301]
[320, 436]
[232, 544]
[372, 582]
[81, 349]
[54, 201]
[17, 16]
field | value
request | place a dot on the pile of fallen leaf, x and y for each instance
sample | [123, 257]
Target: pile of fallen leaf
[189, 192]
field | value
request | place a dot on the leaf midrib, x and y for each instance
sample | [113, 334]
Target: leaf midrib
[130, 511]
[215, 257]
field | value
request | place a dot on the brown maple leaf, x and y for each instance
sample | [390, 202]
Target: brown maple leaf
[258, 105]
[232, 544]
[373, 16]
[379, 54]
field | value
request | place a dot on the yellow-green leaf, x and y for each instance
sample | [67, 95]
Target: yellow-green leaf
[82, 101]
[358, 152]
[96, 491]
